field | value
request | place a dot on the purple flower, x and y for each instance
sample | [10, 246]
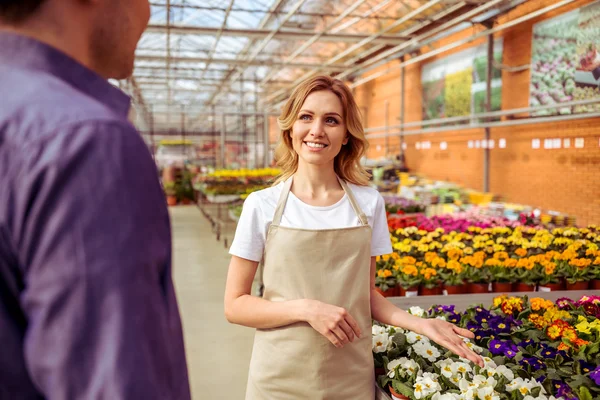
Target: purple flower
[595, 375]
[510, 353]
[498, 347]
[548, 352]
[526, 343]
[481, 334]
[564, 391]
[500, 325]
[565, 303]
[586, 367]
[533, 363]
[454, 318]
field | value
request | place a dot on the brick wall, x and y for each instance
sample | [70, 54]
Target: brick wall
[566, 180]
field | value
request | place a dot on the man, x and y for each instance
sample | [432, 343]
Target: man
[87, 306]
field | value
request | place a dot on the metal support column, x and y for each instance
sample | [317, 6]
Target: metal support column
[488, 108]
[222, 143]
[183, 147]
[402, 115]
[152, 145]
[256, 141]
[266, 138]
[387, 125]
[243, 123]
[214, 133]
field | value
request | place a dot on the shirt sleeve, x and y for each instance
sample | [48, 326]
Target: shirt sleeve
[380, 241]
[93, 239]
[250, 234]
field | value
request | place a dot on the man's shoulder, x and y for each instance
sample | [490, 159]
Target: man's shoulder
[38, 104]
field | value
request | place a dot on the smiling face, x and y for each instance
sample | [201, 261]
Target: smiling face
[320, 130]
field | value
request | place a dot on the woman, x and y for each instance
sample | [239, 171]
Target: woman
[317, 231]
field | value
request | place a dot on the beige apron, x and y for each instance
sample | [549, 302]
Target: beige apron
[295, 362]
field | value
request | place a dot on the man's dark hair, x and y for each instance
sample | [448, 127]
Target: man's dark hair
[17, 11]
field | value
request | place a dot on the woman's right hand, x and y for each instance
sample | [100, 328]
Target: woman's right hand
[335, 323]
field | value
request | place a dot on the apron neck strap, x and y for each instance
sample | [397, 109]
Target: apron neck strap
[285, 191]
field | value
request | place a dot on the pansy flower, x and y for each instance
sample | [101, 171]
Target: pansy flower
[595, 375]
[565, 303]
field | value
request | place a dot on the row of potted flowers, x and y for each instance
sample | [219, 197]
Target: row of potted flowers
[480, 260]
[532, 349]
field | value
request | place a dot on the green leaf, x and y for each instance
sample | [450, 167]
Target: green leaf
[499, 360]
[593, 348]
[523, 373]
[399, 339]
[535, 392]
[584, 394]
[403, 389]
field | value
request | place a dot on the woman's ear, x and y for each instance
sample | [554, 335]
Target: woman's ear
[345, 142]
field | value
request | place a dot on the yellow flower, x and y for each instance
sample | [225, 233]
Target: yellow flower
[384, 273]
[410, 270]
[583, 325]
[499, 300]
[492, 262]
[554, 332]
[537, 303]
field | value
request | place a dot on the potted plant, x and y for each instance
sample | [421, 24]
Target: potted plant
[502, 277]
[550, 279]
[408, 277]
[171, 193]
[525, 275]
[453, 278]
[575, 270]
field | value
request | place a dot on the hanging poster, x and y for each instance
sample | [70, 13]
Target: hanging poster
[565, 63]
[456, 85]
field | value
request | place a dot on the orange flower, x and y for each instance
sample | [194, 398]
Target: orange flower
[570, 334]
[510, 262]
[521, 252]
[553, 332]
[454, 254]
[563, 347]
[501, 255]
[538, 303]
[580, 342]
[538, 321]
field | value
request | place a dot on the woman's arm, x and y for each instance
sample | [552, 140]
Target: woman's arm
[244, 309]
[441, 332]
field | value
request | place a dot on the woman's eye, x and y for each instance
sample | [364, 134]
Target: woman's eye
[305, 117]
[331, 120]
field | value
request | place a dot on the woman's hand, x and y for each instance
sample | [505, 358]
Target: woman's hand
[335, 323]
[451, 337]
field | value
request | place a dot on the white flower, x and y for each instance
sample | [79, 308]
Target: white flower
[461, 368]
[506, 372]
[412, 337]
[410, 366]
[488, 362]
[380, 342]
[442, 317]
[378, 330]
[524, 386]
[392, 367]
[487, 393]
[464, 385]
[430, 375]
[425, 386]
[417, 311]
[447, 371]
[427, 351]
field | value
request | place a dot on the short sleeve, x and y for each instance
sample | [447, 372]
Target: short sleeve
[380, 240]
[250, 234]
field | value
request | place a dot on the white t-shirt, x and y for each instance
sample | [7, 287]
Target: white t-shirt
[259, 209]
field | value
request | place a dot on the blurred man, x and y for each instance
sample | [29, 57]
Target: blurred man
[87, 307]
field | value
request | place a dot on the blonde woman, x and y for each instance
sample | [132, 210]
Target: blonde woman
[318, 231]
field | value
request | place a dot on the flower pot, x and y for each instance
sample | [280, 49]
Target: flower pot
[595, 284]
[411, 292]
[397, 396]
[172, 200]
[523, 287]
[401, 291]
[552, 287]
[578, 285]
[454, 289]
[479, 288]
[436, 291]
[186, 201]
[502, 287]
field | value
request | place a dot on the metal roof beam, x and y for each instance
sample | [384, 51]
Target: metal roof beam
[258, 34]
[238, 62]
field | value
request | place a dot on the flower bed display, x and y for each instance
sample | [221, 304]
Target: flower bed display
[499, 258]
[395, 205]
[227, 185]
[532, 349]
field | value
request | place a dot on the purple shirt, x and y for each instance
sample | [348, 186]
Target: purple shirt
[87, 306]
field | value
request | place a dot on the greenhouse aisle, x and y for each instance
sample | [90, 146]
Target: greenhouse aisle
[218, 353]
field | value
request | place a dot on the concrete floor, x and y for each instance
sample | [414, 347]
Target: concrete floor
[218, 353]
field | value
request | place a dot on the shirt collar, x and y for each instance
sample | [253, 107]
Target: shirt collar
[27, 53]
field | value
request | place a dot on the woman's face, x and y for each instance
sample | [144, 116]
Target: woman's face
[319, 131]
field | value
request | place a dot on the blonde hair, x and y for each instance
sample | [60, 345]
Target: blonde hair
[346, 163]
